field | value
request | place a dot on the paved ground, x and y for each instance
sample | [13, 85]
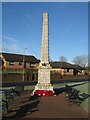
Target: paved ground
[42, 107]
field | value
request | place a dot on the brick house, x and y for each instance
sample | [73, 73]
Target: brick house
[60, 69]
[79, 70]
[64, 68]
[14, 62]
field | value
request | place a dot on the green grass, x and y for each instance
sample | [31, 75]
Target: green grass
[29, 87]
[85, 104]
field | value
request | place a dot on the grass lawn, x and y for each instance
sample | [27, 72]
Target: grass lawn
[85, 104]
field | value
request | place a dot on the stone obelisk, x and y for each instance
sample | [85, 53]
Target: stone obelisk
[44, 66]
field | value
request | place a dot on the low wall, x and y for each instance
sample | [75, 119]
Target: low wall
[75, 77]
[18, 77]
[13, 77]
[56, 77]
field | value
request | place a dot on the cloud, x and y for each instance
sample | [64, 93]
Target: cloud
[29, 18]
[10, 44]
[68, 28]
[8, 38]
[10, 47]
[28, 21]
[27, 25]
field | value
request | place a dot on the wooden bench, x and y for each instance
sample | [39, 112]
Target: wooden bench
[82, 97]
[4, 106]
[11, 93]
[7, 95]
[71, 94]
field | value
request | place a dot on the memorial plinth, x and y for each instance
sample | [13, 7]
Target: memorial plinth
[44, 86]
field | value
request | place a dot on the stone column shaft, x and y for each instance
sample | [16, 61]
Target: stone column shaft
[45, 40]
[44, 66]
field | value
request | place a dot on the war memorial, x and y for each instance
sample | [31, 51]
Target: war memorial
[45, 100]
[44, 84]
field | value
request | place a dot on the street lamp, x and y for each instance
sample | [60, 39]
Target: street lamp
[24, 63]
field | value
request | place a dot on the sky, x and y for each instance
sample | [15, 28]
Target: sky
[68, 28]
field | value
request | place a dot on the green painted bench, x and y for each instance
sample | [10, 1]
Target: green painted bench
[6, 96]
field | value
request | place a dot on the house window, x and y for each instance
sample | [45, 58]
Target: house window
[20, 63]
[1, 62]
[24, 64]
[11, 63]
[67, 70]
[32, 65]
[33, 77]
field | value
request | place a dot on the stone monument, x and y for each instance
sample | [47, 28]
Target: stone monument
[44, 65]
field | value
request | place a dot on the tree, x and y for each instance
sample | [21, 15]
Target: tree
[62, 59]
[81, 60]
